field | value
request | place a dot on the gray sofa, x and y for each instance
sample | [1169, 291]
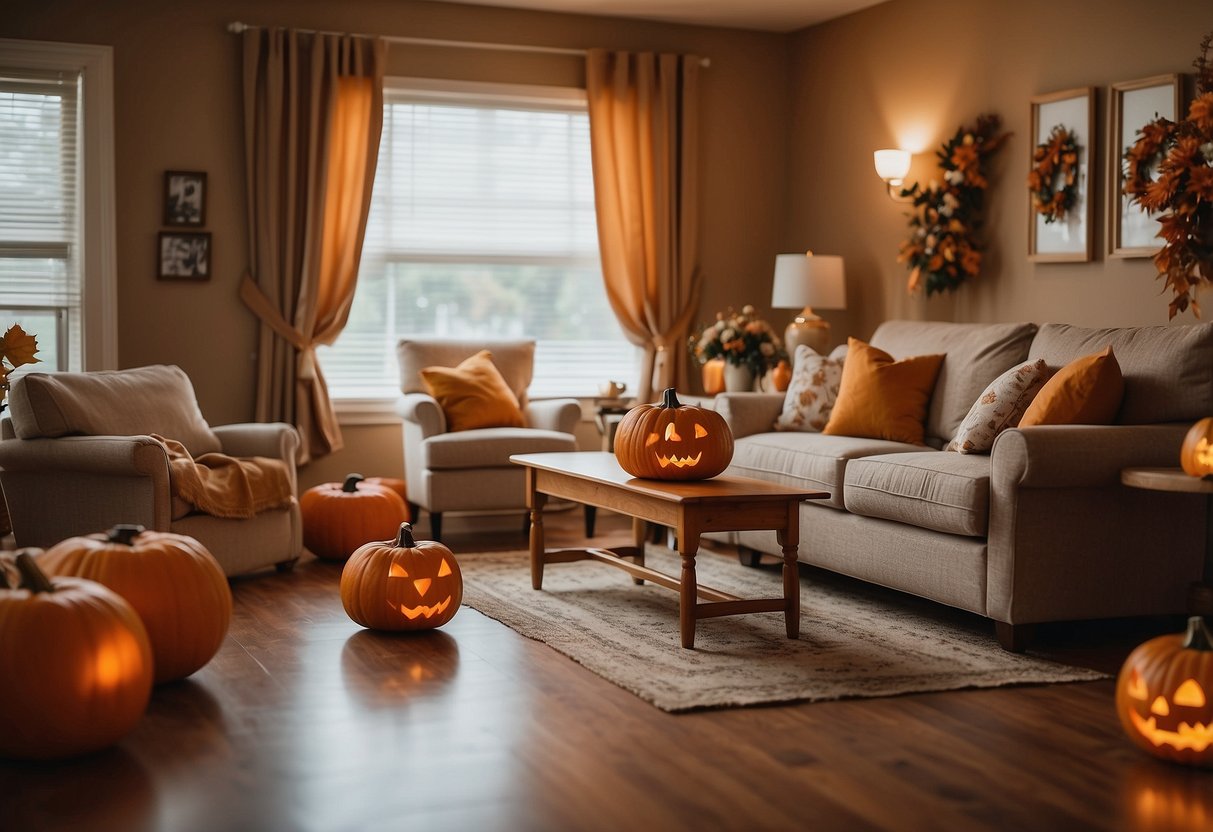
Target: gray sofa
[1038, 530]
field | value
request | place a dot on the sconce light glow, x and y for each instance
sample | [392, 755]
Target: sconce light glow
[892, 165]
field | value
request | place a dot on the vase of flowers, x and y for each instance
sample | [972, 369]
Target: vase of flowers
[748, 345]
[1169, 171]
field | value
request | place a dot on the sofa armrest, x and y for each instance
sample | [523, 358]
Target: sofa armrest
[1069, 456]
[275, 440]
[749, 413]
[553, 414]
[121, 456]
[422, 411]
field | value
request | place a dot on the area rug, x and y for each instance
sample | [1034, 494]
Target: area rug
[853, 643]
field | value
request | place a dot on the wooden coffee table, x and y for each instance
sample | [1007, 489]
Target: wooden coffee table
[721, 504]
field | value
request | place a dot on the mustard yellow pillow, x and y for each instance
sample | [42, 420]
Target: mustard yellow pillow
[473, 395]
[1087, 391]
[880, 398]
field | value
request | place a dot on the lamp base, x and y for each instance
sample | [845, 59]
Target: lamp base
[807, 329]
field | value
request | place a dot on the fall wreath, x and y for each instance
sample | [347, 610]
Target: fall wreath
[1055, 161]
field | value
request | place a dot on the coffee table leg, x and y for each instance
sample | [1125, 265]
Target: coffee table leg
[535, 502]
[688, 545]
[791, 580]
[639, 538]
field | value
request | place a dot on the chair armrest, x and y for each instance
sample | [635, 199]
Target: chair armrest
[553, 414]
[124, 456]
[276, 440]
[749, 413]
[1067, 456]
[423, 411]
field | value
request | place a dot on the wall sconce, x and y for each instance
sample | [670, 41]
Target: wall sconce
[892, 165]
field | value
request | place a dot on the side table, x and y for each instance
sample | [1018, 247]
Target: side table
[1200, 593]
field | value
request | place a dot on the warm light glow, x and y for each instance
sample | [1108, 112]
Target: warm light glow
[397, 571]
[892, 165]
[444, 569]
[671, 435]
[1197, 737]
[422, 585]
[652, 438]
[422, 610]
[1137, 687]
[679, 461]
[1190, 695]
[1159, 706]
[110, 663]
[1203, 453]
[700, 431]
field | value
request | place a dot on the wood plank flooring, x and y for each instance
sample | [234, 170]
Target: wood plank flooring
[306, 722]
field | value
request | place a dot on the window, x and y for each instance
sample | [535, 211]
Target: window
[56, 175]
[482, 226]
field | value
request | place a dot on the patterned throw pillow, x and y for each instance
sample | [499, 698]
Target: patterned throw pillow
[812, 390]
[1001, 406]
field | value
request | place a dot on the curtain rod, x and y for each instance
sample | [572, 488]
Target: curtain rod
[238, 27]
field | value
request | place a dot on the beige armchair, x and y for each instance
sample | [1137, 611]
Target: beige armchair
[470, 470]
[76, 458]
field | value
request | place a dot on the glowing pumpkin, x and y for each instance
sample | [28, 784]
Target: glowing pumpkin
[76, 665]
[172, 581]
[402, 584]
[672, 441]
[1196, 453]
[1164, 696]
[340, 517]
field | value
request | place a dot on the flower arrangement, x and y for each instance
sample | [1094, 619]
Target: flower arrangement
[16, 348]
[943, 248]
[1054, 162]
[1181, 192]
[739, 338]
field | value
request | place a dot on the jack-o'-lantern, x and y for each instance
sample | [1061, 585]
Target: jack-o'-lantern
[1164, 696]
[402, 584]
[673, 441]
[340, 517]
[1196, 453]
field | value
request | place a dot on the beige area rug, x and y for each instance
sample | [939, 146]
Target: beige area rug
[853, 642]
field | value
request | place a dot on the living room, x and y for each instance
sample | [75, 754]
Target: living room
[789, 116]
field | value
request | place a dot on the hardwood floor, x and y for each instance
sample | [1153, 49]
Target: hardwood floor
[306, 722]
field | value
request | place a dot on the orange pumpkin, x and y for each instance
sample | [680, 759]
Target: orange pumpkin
[340, 517]
[781, 376]
[75, 663]
[402, 584]
[1164, 696]
[397, 485]
[172, 581]
[672, 441]
[1196, 453]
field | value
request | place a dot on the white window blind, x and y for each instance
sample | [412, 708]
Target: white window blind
[482, 226]
[40, 272]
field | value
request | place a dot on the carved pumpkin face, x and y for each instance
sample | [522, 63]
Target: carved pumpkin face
[402, 584]
[1196, 454]
[1164, 696]
[670, 441]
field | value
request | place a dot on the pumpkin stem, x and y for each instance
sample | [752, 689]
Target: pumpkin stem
[32, 578]
[1198, 636]
[669, 399]
[351, 483]
[404, 538]
[124, 533]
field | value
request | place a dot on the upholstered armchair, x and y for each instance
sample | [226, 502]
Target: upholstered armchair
[470, 470]
[77, 457]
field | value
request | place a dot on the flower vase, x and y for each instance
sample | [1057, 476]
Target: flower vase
[738, 378]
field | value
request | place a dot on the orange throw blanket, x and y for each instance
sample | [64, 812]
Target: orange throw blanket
[225, 486]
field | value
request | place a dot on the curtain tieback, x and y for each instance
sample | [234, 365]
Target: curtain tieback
[261, 306]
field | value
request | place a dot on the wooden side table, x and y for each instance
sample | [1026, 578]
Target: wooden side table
[1200, 593]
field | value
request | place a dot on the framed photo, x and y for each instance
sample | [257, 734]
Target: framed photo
[1071, 238]
[185, 198]
[1132, 105]
[185, 255]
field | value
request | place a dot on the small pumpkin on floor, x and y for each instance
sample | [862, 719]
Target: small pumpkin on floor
[1196, 453]
[402, 584]
[673, 441]
[340, 517]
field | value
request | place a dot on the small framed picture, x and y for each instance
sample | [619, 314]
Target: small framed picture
[185, 255]
[1067, 117]
[185, 198]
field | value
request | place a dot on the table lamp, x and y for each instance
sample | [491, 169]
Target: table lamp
[808, 280]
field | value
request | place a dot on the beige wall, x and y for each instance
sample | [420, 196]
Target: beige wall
[177, 106]
[914, 70]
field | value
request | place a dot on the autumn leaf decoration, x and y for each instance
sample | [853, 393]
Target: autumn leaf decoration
[1053, 179]
[1169, 172]
[944, 247]
[17, 347]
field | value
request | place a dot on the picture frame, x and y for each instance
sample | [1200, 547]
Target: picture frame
[184, 255]
[1132, 231]
[1070, 240]
[185, 198]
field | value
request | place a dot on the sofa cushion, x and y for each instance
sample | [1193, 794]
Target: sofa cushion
[976, 355]
[1087, 391]
[933, 490]
[1001, 406]
[813, 389]
[883, 398]
[141, 401]
[1165, 368]
[490, 447]
[473, 394]
[806, 460]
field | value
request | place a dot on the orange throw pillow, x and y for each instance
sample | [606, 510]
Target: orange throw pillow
[1087, 391]
[473, 395]
[880, 398]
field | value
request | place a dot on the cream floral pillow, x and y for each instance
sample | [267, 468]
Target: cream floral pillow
[1001, 406]
[812, 390]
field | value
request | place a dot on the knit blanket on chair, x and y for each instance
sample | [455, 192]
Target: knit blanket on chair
[227, 486]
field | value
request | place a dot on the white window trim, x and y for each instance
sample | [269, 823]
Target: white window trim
[99, 266]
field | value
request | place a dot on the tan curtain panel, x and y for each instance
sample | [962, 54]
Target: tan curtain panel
[313, 113]
[644, 127]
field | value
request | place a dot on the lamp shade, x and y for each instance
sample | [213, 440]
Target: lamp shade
[892, 165]
[809, 280]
